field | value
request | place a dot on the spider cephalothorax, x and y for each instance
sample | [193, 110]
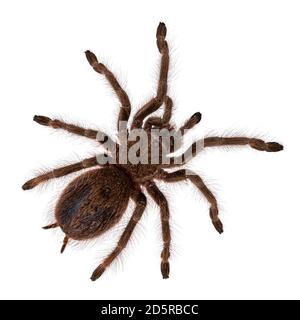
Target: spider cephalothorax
[96, 200]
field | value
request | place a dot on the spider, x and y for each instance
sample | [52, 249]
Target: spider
[96, 200]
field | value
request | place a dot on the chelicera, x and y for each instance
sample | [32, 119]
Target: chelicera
[95, 201]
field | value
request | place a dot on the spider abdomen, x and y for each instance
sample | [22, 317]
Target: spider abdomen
[93, 203]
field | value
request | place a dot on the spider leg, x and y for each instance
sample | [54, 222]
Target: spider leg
[191, 122]
[50, 226]
[58, 124]
[257, 144]
[141, 202]
[193, 150]
[200, 185]
[60, 172]
[162, 87]
[163, 48]
[162, 202]
[121, 94]
[160, 122]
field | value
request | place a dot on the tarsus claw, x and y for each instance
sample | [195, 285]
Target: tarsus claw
[161, 30]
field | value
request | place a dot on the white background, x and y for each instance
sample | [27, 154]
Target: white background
[235, 61]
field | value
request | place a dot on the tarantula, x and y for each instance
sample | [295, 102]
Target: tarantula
[96, 200]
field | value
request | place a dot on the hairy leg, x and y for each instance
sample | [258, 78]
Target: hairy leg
[162, 202]
[197, 146]
[189, 124]
[60, 172]
[162, 87]
[176, 140]
[58, 124]
[122, 95]
[257, 144]
[141, 202]
[198, 182]
[163, 48]
[161, 122]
